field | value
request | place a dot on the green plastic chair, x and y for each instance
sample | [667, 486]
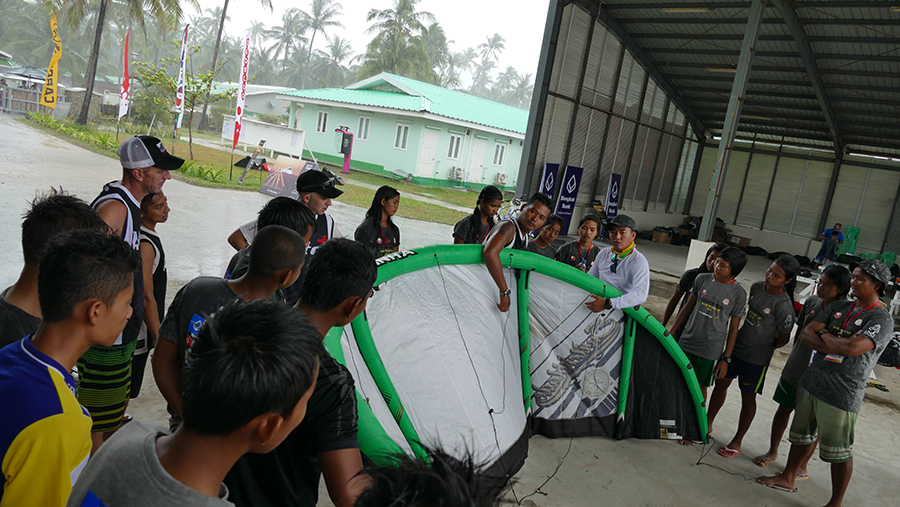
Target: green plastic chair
[868, 256]
[851, 236]
[889, 259]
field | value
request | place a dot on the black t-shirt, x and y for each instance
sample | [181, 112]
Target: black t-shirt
[573, 255]
[15, 323]
[240, 263]
[472, 230]
[196, 301]
[381, 240]
[289, 475]
[160, 277]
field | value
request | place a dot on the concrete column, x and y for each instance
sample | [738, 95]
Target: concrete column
[732, 118]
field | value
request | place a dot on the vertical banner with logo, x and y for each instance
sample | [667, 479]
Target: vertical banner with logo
[125, 90]
[242, 91]
[568, 193]
[612, 195]
[48, 96]
[179, 84]
[548, 179]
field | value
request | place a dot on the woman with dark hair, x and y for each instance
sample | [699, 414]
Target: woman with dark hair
[474, 228]
[684, 286]
[580, 253]
[377, 231]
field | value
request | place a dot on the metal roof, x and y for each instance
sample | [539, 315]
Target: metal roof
[396, 92]
[850, 50]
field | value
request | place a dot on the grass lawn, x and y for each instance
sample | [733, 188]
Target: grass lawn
[216, 167]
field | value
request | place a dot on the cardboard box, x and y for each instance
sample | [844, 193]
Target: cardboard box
[731, 239]
[662, 237]
[684, 231]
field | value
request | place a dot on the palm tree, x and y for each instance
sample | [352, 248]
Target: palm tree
[437, 45]
[321, 16]
[398, 46]
[137, 9]
[481, 76]
[523, 91]
[293, 25]
[331, 70]
[507, 79]
[491, 49]
[204, 122]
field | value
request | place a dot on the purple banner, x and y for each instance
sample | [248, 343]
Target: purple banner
[568, 193]
[548, 179]
[612, 195]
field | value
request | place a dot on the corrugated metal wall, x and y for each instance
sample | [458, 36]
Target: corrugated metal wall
[780, 192]
[605, 114]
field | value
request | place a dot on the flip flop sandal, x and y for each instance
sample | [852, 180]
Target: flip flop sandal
[780, 488]
[800, 476]
[727, 452]
[880, 387]
[762, 461]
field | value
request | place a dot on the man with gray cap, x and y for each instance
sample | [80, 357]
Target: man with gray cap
[106, 371]
[848, 337]
[621, 266]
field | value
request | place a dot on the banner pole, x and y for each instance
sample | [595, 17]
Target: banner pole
[117, 130]
[231, 166]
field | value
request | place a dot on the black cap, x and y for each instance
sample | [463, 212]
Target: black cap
[622, 221]
[146, 151]
[318, 182]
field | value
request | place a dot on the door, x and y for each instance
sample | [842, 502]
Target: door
[426, 154]
[476, 161]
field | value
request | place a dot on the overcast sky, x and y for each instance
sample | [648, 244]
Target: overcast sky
[466, 22]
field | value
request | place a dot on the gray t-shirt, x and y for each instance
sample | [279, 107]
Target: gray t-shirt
[126, 471]
[707, 328]
[840, 381]
[767, 317]
[573, 255]
[547, 251]
[801, 354]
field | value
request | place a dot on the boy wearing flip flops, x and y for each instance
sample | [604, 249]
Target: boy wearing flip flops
[848, 337]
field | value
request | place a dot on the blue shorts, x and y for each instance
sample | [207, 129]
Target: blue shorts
[751, 377]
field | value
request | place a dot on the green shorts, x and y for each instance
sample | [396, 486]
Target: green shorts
[785, 393]
[704, 369]
[834, 426]
[104, 383]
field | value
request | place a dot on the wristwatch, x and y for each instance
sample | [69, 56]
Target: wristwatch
[505, 293]
[607, 305]
[726, 359]
[823, 331]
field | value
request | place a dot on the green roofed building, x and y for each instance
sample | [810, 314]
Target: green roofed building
[404, 127]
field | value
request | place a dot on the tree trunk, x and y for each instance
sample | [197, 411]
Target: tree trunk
[204, 122]
[92, 66]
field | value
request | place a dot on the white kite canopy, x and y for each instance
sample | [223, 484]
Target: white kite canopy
[436, 364]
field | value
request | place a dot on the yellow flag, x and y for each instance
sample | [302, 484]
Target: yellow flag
[48, 97]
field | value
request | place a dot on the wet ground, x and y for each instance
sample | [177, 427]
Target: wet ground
[596, 471]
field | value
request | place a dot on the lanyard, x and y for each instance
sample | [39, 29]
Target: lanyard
[850, 314]
[384, 236]
[583, 257]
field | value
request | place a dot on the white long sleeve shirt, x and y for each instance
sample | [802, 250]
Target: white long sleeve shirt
[632, 277]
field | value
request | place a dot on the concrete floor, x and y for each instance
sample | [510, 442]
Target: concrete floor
[596, 471]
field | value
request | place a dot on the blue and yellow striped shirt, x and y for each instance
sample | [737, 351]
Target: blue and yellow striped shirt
[45, 435]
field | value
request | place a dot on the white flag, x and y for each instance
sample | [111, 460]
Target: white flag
[179, 85]
[126, 83]
[242, 91]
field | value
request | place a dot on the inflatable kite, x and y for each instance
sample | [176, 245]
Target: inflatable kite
[437, 364]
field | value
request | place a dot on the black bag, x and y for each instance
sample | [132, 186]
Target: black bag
[848, 259]
[891, 354]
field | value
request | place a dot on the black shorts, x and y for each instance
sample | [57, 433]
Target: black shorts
[751, 377]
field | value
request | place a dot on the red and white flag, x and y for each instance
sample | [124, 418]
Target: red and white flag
[242, 91]
[179, 84]
[126, 83]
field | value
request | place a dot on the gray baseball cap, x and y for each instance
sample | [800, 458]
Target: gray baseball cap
[622, 221]
[876, 269]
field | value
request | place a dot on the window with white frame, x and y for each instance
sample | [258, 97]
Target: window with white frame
[322, 122]
[453, 151]
[362, 133]
[499, 153]
[402, 137]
